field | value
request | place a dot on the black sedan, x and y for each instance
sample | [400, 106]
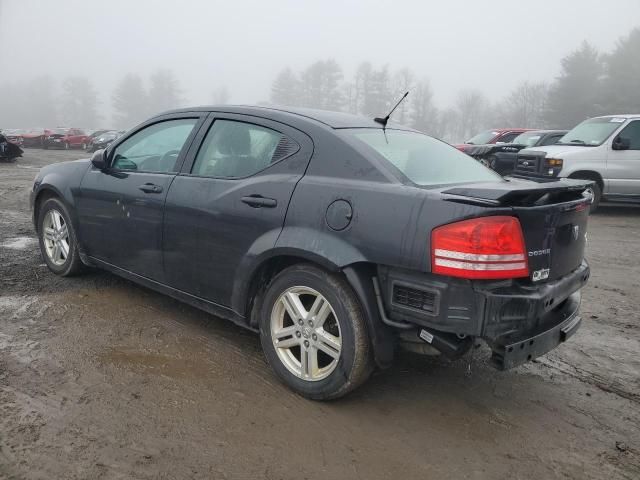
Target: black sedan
[103, 140]
[336, 237]
[502, 157]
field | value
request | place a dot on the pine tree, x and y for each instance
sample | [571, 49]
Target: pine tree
[79, 102]
[577, 92]
[164, 92]
[285, 89]
[130, 102]
[622, 80]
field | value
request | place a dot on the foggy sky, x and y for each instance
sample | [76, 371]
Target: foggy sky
[491, 45]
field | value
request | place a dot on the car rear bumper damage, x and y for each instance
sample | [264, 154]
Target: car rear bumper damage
[518, 321]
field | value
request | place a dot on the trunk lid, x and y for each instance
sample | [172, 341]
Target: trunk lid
[553, 217]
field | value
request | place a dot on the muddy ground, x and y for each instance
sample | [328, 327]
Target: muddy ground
[100, 378]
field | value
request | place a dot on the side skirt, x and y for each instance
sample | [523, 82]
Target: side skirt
[197, 302]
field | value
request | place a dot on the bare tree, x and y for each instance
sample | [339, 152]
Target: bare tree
[423, 112]
[221, 96]
[404, 81]
[472, 108]
[524, 107]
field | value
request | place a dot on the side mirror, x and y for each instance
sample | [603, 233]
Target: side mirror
[621, 143]
[99, 159]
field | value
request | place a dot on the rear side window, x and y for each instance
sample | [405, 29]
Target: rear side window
[423, 159]
[234, 149]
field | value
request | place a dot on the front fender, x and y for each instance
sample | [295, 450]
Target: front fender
[62, 180]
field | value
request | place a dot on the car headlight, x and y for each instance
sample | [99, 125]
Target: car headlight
[553, 162]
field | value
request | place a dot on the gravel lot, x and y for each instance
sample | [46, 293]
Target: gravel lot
[100, 378]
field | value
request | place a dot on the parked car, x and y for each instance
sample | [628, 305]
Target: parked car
[605, 150]
[103, 140]
[498, 135]
[14, 136]
[66, 138]
[35, 137]
[9, 151]
[335, 238]
[93, 134]
[502, 157]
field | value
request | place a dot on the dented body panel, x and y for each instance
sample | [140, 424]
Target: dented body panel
[207, 242]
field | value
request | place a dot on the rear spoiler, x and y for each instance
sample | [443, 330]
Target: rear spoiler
[516, 192]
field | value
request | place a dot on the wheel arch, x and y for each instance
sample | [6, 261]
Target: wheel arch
[44, 193]
[358, 275]
[588, 175]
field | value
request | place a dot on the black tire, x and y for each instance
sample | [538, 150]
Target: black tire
[72, 264]
[597, 196]
[354, 364]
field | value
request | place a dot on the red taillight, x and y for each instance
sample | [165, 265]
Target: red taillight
[480, 248]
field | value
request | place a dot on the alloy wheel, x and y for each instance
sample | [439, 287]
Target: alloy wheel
[55, 235]
[305, 332]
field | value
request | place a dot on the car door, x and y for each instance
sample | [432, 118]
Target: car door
[623, 165]
[230, 200]
[120, 209]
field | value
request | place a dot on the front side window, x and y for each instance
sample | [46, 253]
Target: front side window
[632, 133]
[551, 139]
[592, 133]
[423, 159]
[234, 149]
[154, 148]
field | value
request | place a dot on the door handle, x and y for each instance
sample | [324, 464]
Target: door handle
[150, 188]
[258, 201]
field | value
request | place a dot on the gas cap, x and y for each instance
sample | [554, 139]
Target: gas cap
[339, 215]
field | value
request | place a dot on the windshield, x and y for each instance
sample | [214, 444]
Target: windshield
[529, 139]
[60, 131]
[423, 159]
[482, 138]
[592, 132]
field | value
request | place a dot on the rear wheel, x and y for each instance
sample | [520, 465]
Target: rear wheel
[314, 334]
[57, 239]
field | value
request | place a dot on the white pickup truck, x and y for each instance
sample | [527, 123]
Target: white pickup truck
[603, 149]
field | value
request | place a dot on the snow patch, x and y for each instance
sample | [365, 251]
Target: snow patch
[18, 243]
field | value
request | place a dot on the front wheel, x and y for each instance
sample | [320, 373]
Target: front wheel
[314, 334]
[57, 239]
[596, 195]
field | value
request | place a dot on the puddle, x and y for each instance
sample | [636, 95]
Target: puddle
[18, 243]
[147, 362]
[11, 303]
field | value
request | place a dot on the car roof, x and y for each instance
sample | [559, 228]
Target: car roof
[623, 115]
[329, 118]
[545, 132]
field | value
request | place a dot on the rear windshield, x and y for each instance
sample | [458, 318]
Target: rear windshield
[592, 132]
[423, 159]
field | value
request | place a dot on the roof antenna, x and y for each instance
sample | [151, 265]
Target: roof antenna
[383, 121]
